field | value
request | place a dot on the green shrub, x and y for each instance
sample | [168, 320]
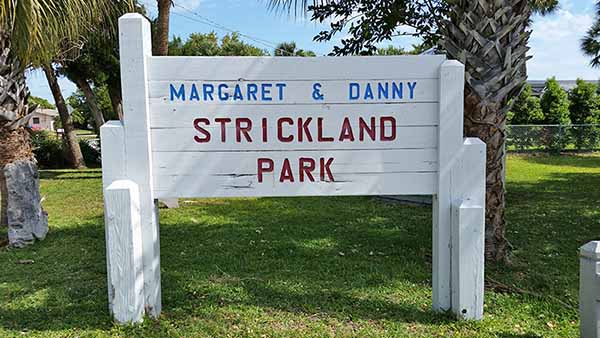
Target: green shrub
[48, 150]
[91, 155]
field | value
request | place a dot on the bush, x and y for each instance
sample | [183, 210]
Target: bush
[50, 152]
[526, 109]
[91, 154]
[555, 103]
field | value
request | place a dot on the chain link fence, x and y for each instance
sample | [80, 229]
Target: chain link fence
[553, 138]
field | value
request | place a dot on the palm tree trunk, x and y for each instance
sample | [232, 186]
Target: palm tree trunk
[22, 212]
[114, 92]
[75, 155]
[90, 97]
[3, 199]
[490, 38]
[161, 39]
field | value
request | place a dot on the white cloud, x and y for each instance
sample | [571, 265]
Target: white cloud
[555, 45]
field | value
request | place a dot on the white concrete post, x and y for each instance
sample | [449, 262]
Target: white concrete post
[450, 141]
[468, 231]
[124, 251]
[135, 46]
[589, 290]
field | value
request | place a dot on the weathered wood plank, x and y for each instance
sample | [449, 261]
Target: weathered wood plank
[468, 231]
[450, 140]
[294, 68]
[182, 139]
[192, 186]
[294, 92]
[166, 115]
[124, 250]
[244, 163]
[135, 49]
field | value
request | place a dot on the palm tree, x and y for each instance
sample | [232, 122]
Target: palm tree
[591, 43]
[490, 38]
[290, 49]
[160, 46]
[31, 34]
[74, 151]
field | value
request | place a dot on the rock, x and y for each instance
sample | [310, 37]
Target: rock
[27, 221]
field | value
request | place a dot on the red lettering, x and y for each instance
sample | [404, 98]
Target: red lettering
[307, 166]
[239, 130]
[303, 129]
[363, 127]
[264, 129]
[264, 169]
[286, 172]
[320, 136]
[280, 136]
[346, 133]
[223, 121]
[324, 168]
[382, 122]
[206, 137]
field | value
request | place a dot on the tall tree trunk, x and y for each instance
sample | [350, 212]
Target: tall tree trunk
[75, 155]
[19, 181]
[90, 98]
[161, 38]
[114, 92]
[3, 199]
[490, 38]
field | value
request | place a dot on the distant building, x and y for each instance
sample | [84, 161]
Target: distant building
[538, 86]
[43, 119]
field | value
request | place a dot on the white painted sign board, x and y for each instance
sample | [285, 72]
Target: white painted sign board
[288, 126]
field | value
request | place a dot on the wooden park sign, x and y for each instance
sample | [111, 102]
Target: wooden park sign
[288, 126]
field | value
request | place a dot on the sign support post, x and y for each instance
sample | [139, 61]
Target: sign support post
[135, 45]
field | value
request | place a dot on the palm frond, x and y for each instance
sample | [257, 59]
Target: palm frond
[590, 44]
[40, 28]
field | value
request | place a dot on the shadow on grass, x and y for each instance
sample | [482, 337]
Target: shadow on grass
[71, 174]
[346, 258]
[585, 160]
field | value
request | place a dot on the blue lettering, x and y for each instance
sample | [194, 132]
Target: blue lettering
[252, 90]
[179, 94]
[280, 87]
[266, 91]
[223, 94]
[353, 91]
[383, 91]
[397, 90]
[411, 89]
[207, 91]
[368, 92]
[237, 94]
[194, 93]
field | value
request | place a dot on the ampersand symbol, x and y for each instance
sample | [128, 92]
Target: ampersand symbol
[317, 92]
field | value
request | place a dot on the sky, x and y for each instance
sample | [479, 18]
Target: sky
[554, 42]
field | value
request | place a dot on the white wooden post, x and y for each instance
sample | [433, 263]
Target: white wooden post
[589, 290]
[135, 49]
[112, 137]
[124, 251]
[468, 231]
[450, 140]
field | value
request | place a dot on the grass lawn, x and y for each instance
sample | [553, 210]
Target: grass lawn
[306, 267]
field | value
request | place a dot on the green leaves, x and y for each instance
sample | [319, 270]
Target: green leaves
[555, 103]
[41, 29]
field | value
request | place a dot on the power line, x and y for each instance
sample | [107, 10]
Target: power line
[206, 21]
